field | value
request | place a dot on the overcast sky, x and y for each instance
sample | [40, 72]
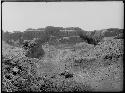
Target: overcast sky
[18, 16]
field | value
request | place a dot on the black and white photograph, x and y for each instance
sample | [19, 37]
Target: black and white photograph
[62, 46]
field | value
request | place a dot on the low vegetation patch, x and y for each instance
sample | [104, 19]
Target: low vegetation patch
[41, 67]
